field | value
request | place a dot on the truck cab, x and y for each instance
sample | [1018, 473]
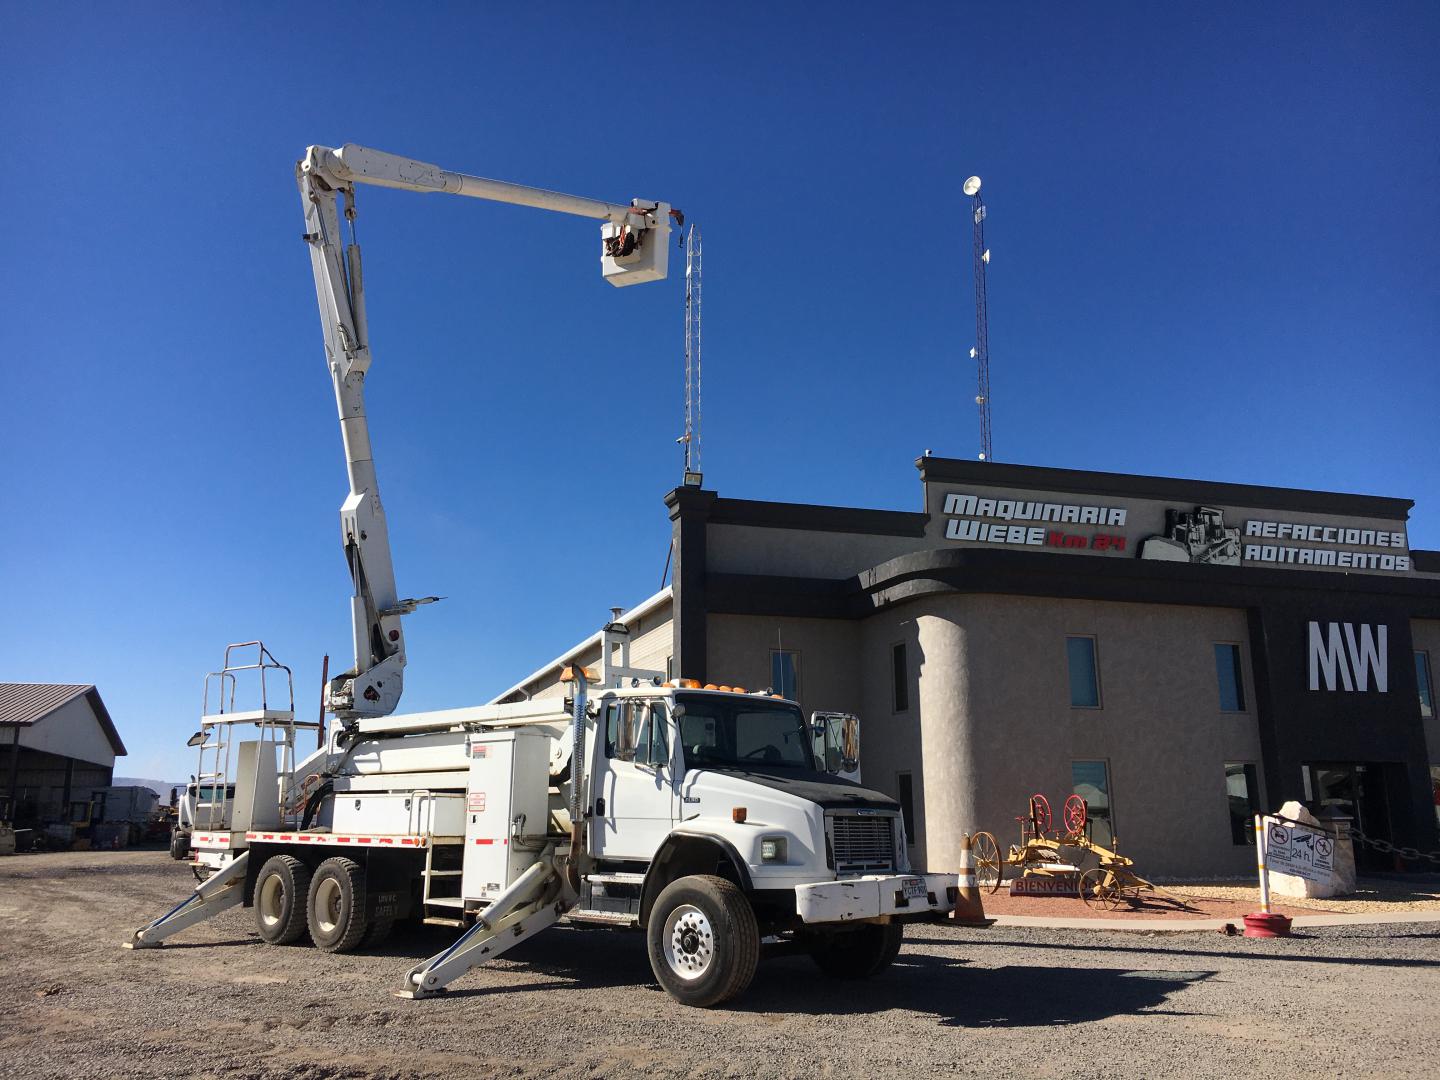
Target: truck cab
[690, 782]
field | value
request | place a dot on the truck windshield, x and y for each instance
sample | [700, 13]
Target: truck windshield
[720, 732]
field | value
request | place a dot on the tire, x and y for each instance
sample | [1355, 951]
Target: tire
[703, 939]
[859, 953]
[179, 845]
[282, 889]
[335, 909]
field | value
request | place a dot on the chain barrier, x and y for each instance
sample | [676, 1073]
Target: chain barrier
[1385, 847]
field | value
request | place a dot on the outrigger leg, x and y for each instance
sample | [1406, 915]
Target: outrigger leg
[535, 901]
[221, 890]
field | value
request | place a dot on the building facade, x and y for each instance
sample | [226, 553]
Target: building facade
[57, 747]
[1181, 653]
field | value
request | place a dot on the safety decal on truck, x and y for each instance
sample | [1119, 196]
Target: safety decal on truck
[475, 801]
[477, 750]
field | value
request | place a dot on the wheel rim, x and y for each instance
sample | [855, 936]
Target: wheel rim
[689, 942]
[327, 904]
[272, 901]
[988, 871]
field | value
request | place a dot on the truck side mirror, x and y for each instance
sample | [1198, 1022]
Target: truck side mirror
[837, 742]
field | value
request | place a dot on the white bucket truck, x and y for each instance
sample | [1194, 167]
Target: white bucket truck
[695, 814]
[702, 815]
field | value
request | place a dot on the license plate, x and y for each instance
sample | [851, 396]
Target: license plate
[914, 888]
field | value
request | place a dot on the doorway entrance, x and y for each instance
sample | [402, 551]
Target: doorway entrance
[1358, 790]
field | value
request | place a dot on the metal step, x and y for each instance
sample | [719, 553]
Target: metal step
[616, 879]
[445, 901]
[442, 873]
[603, 918]
[440, 920]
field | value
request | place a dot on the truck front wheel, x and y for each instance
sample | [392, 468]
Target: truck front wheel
[859, 953]
[704, 941]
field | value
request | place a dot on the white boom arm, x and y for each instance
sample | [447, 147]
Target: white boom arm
[634, 249]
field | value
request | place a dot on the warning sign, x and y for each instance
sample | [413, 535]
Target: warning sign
[1300, 852]
[475, 802]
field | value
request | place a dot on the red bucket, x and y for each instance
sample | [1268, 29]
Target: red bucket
[1263, 925]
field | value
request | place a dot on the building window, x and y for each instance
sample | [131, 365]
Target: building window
[785, 673]
[1084, 675]
[907, 804]
[1091, 781]
[1427, 688]
[1227, 674]
[900, 678]
[1241, 788]
[1435, 790]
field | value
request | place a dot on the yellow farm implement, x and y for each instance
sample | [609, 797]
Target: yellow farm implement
[1042, 852]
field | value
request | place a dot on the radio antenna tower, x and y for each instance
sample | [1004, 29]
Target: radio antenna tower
[981, 352]
[691, 439]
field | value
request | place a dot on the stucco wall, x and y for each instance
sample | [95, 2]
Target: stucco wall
[744, 549]
[989, 720]
[997, 723]
[739, 655]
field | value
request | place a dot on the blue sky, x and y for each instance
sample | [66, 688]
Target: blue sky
[1216, 254]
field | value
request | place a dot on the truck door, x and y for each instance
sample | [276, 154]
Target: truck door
[635, 790]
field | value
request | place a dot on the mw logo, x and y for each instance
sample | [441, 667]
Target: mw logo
[1350, 654]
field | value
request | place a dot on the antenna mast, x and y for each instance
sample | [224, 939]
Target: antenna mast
[981, 352]
[691, 439]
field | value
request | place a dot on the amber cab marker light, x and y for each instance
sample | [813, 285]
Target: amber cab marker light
[737, 814]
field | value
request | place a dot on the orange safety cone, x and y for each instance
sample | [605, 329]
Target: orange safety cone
[969, 908]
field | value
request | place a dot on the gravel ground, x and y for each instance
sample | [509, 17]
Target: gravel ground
[1372, 894]
[1356, 1001]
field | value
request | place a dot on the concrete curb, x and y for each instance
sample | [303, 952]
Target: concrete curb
[1182, 925]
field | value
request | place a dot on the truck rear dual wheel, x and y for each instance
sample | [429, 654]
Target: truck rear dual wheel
[336, 907]
[703, 940]
[281, 890]
[859, 953]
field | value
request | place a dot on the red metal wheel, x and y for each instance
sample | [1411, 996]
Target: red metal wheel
[1076, 814]
[1040, 814]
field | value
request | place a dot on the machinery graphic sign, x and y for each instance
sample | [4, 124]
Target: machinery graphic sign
[1198, 534]
[1195, 536]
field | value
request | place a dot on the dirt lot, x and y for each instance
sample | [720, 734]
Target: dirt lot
[1353, 1001]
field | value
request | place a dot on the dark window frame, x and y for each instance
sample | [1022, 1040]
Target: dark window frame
[899, 677]
[778, 689]
[1242, 829]
[905, 796]
[1094, 670]
[1427, 691]
[1107, 814]
[1239, 672]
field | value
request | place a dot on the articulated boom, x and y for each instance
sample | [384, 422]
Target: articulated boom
[633, 250]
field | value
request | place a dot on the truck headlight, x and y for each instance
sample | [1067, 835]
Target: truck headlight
[772, 849]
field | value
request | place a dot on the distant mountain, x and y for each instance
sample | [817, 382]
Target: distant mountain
[160, 787]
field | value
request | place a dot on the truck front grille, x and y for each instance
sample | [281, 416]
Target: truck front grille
[863, 843]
